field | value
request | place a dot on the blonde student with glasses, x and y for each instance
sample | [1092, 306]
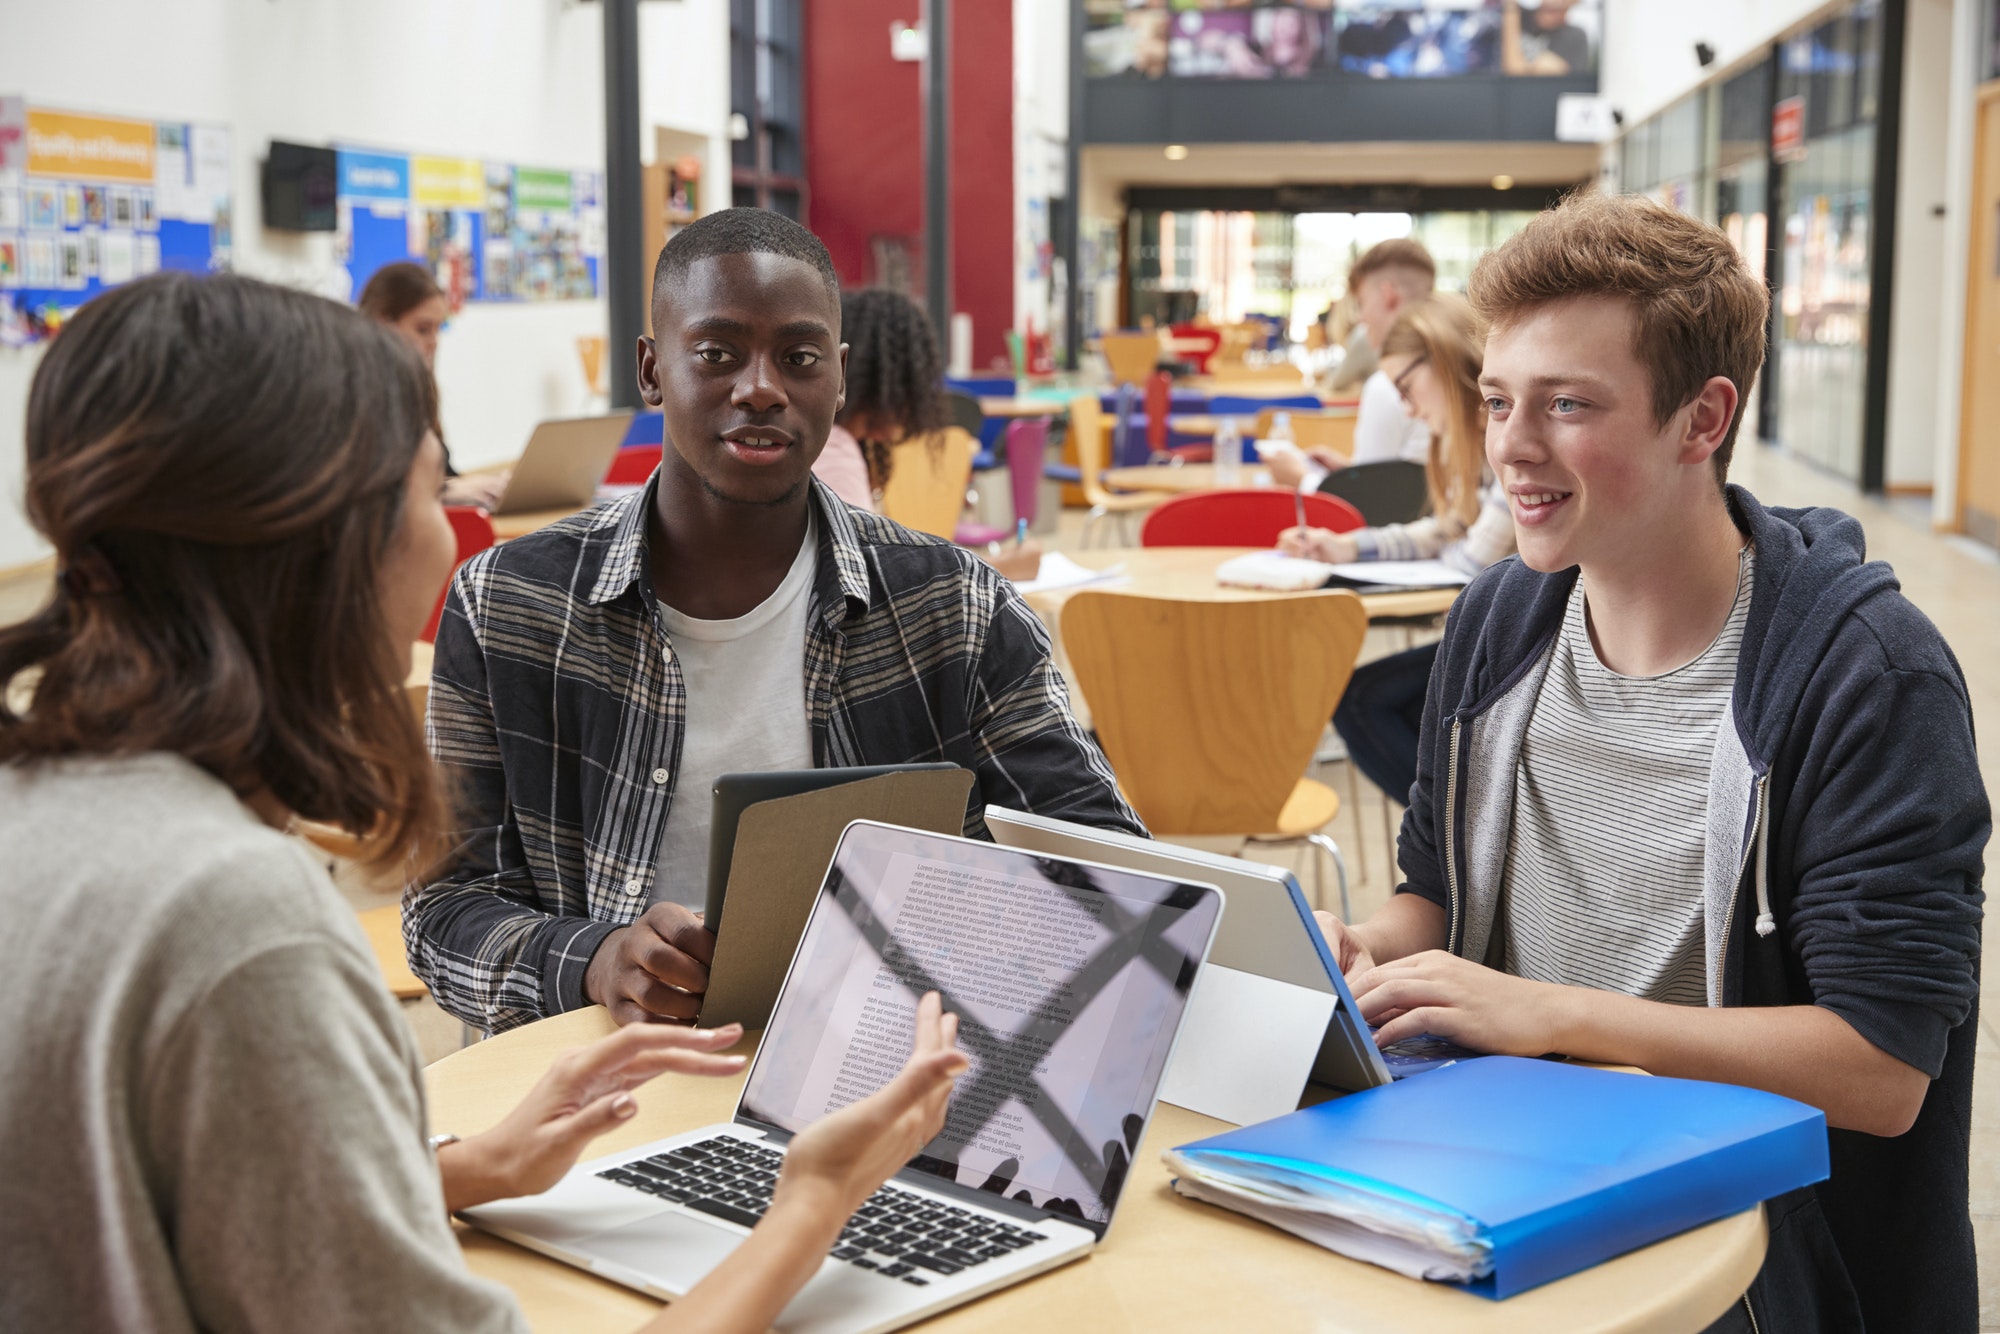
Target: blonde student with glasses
[1431, 356]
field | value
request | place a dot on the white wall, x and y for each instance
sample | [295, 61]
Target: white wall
[1041, 137]
[1648, 57]
[1915, 324]
[684, 84]
[517, 81]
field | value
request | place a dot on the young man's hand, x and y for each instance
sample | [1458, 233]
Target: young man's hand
[586, 1092]
[1350, 952]
[1286, 466]
[1474, 1006]
[656, 968]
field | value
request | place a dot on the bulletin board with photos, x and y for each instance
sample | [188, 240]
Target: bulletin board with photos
[1381, 39]
[487, 231]
[88, 202]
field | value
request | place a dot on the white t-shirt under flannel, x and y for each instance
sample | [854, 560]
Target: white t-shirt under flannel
[1603, 886]
[746, 713]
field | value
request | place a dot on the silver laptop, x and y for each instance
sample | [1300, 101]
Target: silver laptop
[1070, 980]
[1268, 933]
[564, 463]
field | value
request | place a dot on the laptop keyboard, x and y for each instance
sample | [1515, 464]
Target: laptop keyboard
[897, 1233]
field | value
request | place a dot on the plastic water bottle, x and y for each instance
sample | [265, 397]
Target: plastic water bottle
[1281, 431]
[1228, 453]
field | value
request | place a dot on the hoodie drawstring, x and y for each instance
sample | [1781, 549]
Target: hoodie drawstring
[1766, 923]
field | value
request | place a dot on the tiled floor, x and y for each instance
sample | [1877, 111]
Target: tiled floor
[1956, 583]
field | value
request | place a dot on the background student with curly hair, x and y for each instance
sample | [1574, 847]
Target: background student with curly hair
[895, 390]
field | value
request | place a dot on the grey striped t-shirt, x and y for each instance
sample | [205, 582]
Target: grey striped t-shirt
[1604, 865]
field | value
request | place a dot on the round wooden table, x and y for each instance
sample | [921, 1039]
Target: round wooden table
[1180, 478]
[1168, 1262]
[1189, 572]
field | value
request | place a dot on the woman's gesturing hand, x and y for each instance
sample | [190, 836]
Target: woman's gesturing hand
[586, 1092]
[838, 1161]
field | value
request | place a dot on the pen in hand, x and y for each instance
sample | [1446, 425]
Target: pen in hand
[1299, 507]
[1021, 530]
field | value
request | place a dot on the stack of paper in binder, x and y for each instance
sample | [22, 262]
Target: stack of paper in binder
[1503, 1173]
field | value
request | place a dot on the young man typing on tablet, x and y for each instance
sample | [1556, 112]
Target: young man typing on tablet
[1697, 790]
[593, 678]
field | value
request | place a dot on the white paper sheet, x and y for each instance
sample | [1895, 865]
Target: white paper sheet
[1059, 571]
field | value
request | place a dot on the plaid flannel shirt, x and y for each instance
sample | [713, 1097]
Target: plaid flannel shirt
[557, 707]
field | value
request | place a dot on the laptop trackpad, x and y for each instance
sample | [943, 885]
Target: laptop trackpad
[671, 1249]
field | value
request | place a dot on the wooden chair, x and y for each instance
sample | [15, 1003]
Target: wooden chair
[1209, 711]
[928, 475]
[1131, 356]
[384, 929]
[1087, 429]
[1313, 430]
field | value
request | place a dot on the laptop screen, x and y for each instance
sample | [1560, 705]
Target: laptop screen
[1068, 979]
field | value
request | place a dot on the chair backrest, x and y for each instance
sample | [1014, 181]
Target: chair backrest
[633, 464]
[474, 532]
[645, 428]
[1128, 447]
[1312, 430]
[928, 475]
[1389, 491]
[1243, 405]
[1209, 710]
[1027, 449]
[1246, 518]
[982, 386]
[1086, 432]
[963, 411]
[1131, 356]
[1159, 401]
[1202, 334]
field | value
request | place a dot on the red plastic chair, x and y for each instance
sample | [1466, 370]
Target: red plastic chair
[633, 465]
[1201, 333]
[1159, 402]
[1248, 518]
[475, 533]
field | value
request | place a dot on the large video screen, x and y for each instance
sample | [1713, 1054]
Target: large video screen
[1389, 39]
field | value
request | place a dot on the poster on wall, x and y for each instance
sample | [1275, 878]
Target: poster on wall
[88, 202]
[1379, 39]
[486, 231]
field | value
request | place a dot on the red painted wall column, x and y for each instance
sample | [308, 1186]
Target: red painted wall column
[864, 150]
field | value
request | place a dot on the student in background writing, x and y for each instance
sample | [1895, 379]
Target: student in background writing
[406, 298]
[211, 1110]
[1390, 276]
[1432, 357]
[594, 677]
[1697, 789]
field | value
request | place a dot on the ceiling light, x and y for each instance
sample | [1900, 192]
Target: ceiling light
[1503, 182]
[1177, 152]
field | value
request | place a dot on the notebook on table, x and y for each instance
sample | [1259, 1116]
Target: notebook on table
[769, 853]
[1070, 981]
[1504, 1173]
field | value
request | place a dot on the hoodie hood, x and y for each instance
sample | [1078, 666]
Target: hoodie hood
[1813, 572]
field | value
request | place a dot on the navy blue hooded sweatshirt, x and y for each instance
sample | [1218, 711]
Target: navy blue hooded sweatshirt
[1846, 830]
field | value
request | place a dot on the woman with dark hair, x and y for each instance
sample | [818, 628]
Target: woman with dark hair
[895, 389]
[405, 297]
[211, 1111]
